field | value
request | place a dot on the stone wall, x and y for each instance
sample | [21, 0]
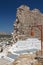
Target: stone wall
[25, 19]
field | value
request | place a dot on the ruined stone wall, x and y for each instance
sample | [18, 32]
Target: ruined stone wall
[25, 18]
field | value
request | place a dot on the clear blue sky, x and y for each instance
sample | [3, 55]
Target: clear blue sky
[8, 11]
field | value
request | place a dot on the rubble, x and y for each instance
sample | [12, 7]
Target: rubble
[26, 59]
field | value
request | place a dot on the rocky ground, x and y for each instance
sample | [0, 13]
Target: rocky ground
[22, 52]
[26, 59]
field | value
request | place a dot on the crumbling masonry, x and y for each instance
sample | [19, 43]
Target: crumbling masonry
[25, 18]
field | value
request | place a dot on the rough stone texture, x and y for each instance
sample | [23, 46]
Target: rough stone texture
[26, 59]
[25, 18]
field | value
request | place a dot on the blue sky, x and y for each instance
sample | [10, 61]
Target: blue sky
[8, 12]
